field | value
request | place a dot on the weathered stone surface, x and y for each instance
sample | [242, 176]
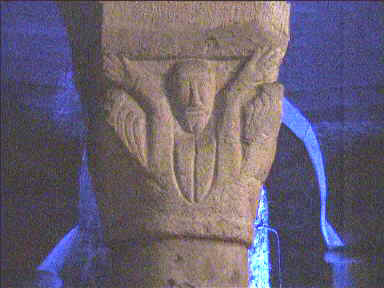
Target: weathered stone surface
[190, 161]
[188, 134]
[181, 263]
[193, 29]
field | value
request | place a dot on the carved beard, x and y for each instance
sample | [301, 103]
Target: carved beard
[196, 120]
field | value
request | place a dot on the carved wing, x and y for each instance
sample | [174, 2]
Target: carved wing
[144, 105]
[262, 114]
[262, 120]
[129, 122]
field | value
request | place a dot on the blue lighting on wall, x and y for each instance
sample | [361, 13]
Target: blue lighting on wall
[54, 262]
[82, 247]
[342, 266]
[67, 100]
[259, 257]
[302, 128]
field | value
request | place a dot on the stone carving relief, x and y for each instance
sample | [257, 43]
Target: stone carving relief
[187, 131]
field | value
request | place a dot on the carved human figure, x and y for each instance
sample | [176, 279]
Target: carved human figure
[189, 136]
[192, 94]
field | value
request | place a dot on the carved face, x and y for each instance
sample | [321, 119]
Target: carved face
[194, 89]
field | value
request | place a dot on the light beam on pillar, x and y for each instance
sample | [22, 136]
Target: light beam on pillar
[258, 254]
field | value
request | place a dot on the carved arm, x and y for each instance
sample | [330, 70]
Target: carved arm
[254, 73]
[146, 90]
[260, 130]
[262, 67]
[133, 77]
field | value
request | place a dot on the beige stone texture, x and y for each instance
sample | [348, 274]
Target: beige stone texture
[192, 110]
[181, 263]
[145, 158]
[209, 29]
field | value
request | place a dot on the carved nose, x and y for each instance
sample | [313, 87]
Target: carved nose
[195, 100]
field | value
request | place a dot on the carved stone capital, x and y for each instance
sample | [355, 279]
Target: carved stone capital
[193, 131]
[192, 110]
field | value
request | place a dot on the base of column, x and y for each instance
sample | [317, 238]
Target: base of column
[180, 263]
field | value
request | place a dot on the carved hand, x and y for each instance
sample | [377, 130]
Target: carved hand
[114, 68]
[264, 64]
[262, 67]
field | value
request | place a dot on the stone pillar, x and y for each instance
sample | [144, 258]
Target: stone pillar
[183, 136]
